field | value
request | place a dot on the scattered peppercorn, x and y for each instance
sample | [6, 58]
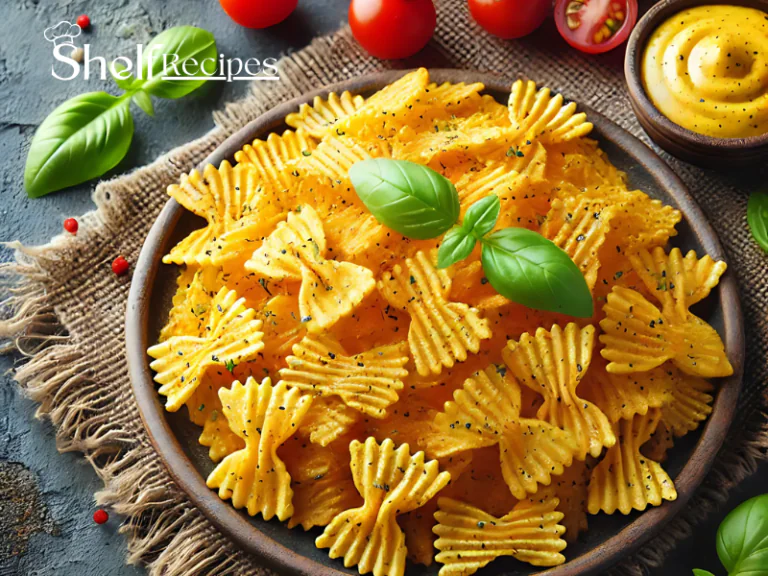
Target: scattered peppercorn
[120, 266]
[71, 225]
[100, 516]
[84, 22]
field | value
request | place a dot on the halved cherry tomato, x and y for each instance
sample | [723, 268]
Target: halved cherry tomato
[509, 18]
[391, 29]
[258, 13]
[595, 26]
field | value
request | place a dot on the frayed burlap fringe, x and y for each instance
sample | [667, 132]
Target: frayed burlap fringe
[66, 321]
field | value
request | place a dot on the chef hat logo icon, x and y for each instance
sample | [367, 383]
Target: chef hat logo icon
[63, 33]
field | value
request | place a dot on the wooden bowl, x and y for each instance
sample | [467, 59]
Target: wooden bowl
[609, 539]
[705, 151]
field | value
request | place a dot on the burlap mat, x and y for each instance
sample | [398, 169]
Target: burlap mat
[64, 308]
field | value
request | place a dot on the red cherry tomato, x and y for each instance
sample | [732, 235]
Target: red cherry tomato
[391, 29]
[84, 21]
[258, 13]
[595, 26]
[509, 18]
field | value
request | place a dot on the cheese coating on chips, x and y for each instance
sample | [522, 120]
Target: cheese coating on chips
[232, 335]
[318, 119]
[264, 416]
[367, 382]
[442, 332]
[553, 363]
[391, 482]
[273, 157]
[296, 251]
[469, 538]
[625, 479]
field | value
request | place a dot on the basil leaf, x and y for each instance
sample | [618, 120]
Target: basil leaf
[79, 140]
[742, 539]
[144, 101]
[699, 572]
[456, 246]
[178, 52]
[481, 216]
[757, 218]
[116, 68]
[529, 269]
[410, 198]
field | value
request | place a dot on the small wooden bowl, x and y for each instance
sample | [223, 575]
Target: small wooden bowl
[705, 151]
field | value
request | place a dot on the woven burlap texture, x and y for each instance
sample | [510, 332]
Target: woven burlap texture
[68, 320]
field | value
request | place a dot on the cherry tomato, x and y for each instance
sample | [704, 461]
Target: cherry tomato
[391, 29]
[595, 26]
[258, 13]
[509, 18]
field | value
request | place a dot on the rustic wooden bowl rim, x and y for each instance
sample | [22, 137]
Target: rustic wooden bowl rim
[652, 19]
[284, 560]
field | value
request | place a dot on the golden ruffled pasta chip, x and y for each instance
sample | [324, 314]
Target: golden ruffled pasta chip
[553, 363]
[282, 327]
[205, 410]
[639, 337]
[441, 332]
[319, 118]
[579, 226]
[621, 396]
[322, 483]
[486, 412]
[677, 282]
[264, 417]
[367, 382]
[537, 115]
[570, 488]
[625, 479]
[335, 155]
[391, 482]
[690, 402]
[296, 251]
[328, 419]
[469, 539]
[191, 304]
[221, 196]
[273, 157]
[233, 335]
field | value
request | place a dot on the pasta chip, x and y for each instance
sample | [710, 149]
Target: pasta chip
[417, 527]
[441, 332]
[690, 402]
[191, 303]
[391, 482]
[233, 335]
[621, 396]
[537, 115]
[486, 412]
[570, 488]
[296, 251]
[625, 480]
[469, 539]
[221, 196]
[553, 363]
[204, 409]
[282, 327]
[319, 118]
[335, 155]
[328, 419]
[639, 337]
[274, 156]
[367, 382]
[677, 282]
[264, 417]
[322, 484]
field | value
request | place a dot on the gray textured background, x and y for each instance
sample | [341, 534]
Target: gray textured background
[46, 498]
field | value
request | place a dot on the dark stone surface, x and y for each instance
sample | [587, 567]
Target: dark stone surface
[49, 512]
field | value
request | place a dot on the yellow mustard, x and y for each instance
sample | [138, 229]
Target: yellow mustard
[706, 69]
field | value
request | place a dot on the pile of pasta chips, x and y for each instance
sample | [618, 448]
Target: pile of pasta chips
[343, 383]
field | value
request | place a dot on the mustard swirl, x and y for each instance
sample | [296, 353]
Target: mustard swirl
[706, 69]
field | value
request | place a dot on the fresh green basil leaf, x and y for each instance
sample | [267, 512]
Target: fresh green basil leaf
[699, 572]
[144, 101]
[79, 140]
[481, 217]
[531, 270]
[757, 218]
[742, 539]
[117, 70]
[407, 197]
[456, 246]
[183, 51]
